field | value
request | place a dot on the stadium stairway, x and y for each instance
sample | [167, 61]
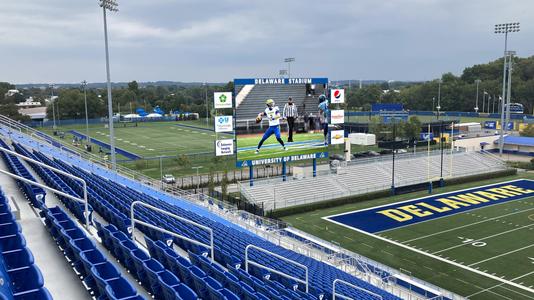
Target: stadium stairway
[229, 242]
[68, 277]
[20, 278]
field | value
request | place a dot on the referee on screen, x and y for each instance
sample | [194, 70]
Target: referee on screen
[290, 113]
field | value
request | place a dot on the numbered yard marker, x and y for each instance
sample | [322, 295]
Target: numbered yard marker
[472, 242]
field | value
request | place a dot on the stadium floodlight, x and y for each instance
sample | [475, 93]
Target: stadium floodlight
[289, 60]
[478, 81]
[112, 6]
[505, 28]
[87, 138]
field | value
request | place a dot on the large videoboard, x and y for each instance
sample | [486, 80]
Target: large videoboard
[278, 120]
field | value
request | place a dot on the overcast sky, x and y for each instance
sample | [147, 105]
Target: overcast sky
[200, 40]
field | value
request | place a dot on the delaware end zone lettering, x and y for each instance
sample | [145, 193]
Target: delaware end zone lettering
[390, 216]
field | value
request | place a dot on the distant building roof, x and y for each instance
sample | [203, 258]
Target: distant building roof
[34, 112]
[518, 140]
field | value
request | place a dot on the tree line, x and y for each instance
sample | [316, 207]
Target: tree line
[458, 93]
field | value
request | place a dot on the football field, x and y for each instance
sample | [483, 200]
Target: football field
[483, 251]
[152, 139]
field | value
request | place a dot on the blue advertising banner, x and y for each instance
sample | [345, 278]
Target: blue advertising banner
[279, 160]
[396, 215]
[243, 81]
[490, 124]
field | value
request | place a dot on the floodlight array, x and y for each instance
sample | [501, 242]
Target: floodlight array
[507, 27]
[110, 5]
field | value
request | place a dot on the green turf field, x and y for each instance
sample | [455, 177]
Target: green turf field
[486, 253]
[304, 143]
[151, 139]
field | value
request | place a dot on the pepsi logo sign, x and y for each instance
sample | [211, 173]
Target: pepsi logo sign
[337, 96]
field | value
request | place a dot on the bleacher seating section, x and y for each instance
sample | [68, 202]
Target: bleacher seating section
[368, 176]
[225, 276]
[20, 278]
[164, 272]
[34, 194]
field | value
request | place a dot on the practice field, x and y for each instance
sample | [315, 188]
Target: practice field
[303, 143]
[151, 139]
[477, 241]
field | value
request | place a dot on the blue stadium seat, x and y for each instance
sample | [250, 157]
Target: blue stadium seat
[120, 288]
[168, 282]
[152, 268]
[103, 273]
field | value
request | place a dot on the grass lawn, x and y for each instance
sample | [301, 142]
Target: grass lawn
[503, 233]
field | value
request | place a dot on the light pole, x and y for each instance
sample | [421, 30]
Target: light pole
[484, 101]
[198, 178]
[504, 28]
[110, 5]
[510, 54]
[289, 60]
[476, 103]
[161, 171]
[207, 107]
[439, 97]
[53, 105]
[88, 139]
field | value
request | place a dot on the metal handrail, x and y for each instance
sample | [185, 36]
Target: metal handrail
[133, 221]
[334, 294]
[84, 200]
[46, 188]
[273, 270]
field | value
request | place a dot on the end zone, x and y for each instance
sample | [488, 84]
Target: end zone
[400, 214]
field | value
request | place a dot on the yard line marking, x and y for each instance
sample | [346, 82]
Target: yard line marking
[367, 245]
[519, 286]
[501, 286]
[467, 225]
[509, 252]
[485, 238]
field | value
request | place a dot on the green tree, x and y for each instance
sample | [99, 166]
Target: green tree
[11, 110]
[528, 131]
[412, 128]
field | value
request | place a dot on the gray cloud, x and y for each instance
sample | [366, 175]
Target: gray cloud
[198, 40]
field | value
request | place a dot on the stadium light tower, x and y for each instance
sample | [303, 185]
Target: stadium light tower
[478, 81]
[289, 60]
[112, 6]
[87, 138]
[500, 29]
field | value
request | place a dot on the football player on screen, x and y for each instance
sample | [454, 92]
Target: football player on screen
[272, 113]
